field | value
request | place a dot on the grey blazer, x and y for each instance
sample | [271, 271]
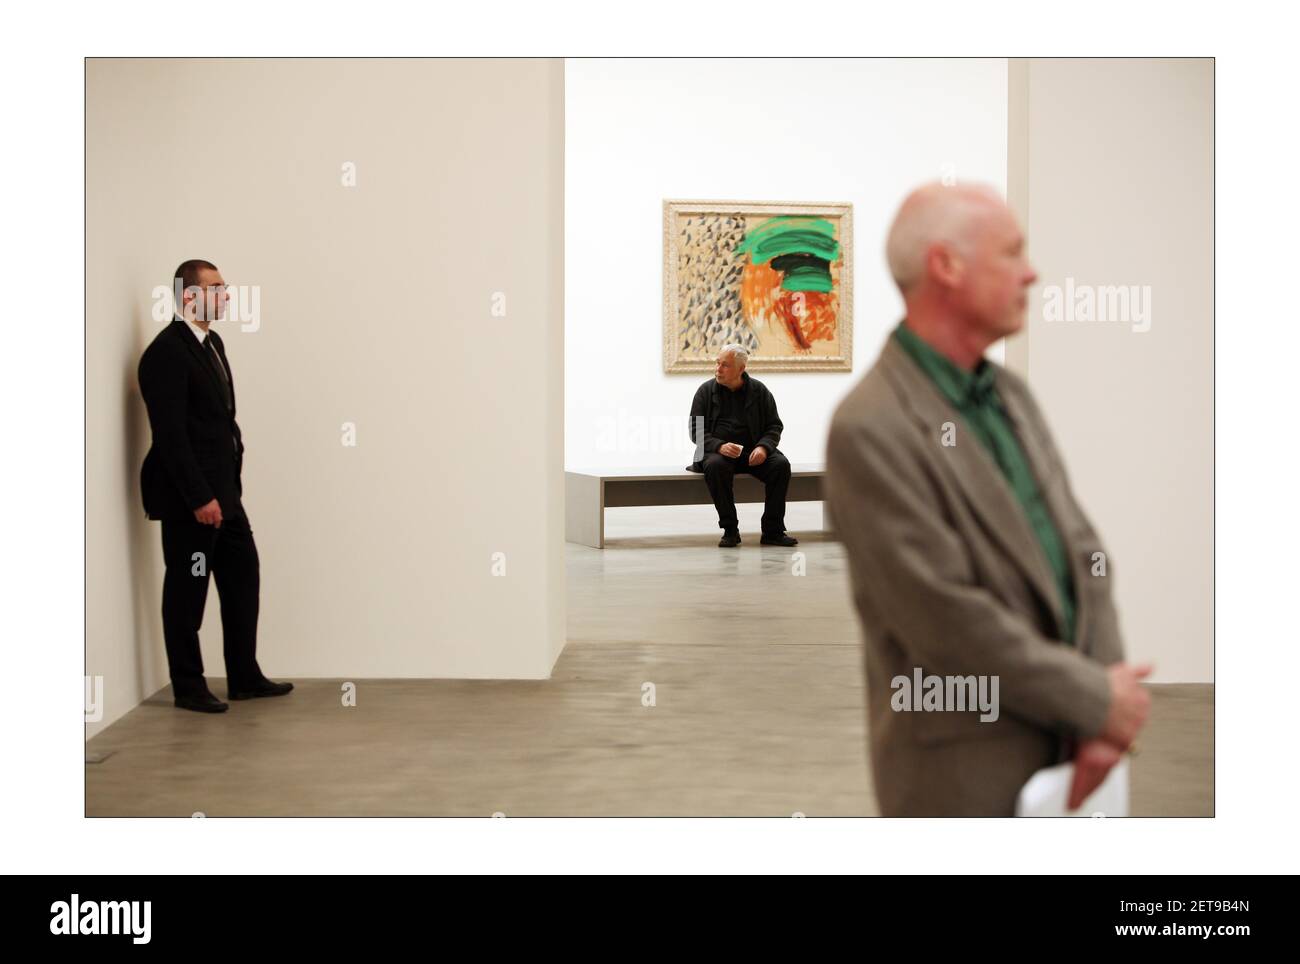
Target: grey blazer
[947, 576]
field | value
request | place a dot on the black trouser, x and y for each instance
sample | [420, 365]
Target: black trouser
[774, 473]
[191, 550]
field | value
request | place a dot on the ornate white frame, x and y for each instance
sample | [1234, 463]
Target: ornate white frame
[842, 362]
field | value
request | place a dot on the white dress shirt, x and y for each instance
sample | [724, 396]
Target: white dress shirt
[199, 333]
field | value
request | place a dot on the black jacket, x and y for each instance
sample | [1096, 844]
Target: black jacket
[760, 414]
[197, 450]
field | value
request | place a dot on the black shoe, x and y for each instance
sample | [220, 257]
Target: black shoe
[202, 703]
[778, 540]
[264, 688]
[730, 539]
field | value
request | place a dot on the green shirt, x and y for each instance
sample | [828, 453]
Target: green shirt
[974, 395]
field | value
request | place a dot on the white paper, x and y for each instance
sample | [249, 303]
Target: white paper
[1048, 791]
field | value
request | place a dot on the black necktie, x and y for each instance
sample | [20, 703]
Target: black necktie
[211, 352]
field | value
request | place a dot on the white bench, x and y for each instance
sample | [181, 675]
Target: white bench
[589, 492]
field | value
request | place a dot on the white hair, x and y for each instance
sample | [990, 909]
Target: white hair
[737, 351]
[935, 213]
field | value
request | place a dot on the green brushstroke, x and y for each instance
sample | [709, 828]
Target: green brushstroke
[790, 234]
[794, 234]
[811, 277]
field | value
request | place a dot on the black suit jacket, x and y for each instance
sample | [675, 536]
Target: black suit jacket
[197, 452]
[760, 414]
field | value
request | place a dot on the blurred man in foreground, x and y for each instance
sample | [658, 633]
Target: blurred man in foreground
[969, 556]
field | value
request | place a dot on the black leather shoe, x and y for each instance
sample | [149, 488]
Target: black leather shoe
[202, 703]
[781, 540]
[264, 688]
[730, 539]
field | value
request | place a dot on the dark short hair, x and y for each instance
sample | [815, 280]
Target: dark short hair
[188, 274]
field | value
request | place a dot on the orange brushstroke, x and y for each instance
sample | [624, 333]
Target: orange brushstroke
[804, 316]
[760, 285]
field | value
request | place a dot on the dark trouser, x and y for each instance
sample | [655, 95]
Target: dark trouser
[230, 553]
[774, 473]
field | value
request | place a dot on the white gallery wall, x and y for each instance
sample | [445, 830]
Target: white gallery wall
[1116, 174]
[380, 307]
[638, 132]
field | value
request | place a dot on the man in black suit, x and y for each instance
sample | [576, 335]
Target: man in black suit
[735, 425]
[191, 483]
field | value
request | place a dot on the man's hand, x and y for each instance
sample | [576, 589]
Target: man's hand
[758, 456]
[210, 514]
[731, 450]
[1092, 761]
[1129, 704]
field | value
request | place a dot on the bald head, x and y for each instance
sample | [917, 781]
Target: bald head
[957, 254]
[937, 214]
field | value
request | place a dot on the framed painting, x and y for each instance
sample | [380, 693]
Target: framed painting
[775, 277]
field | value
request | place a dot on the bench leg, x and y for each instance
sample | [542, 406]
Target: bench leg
[584, 510]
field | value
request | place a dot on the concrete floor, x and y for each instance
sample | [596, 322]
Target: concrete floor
[758, 708]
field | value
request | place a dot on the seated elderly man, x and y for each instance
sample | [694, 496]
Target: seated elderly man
[735, 418]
